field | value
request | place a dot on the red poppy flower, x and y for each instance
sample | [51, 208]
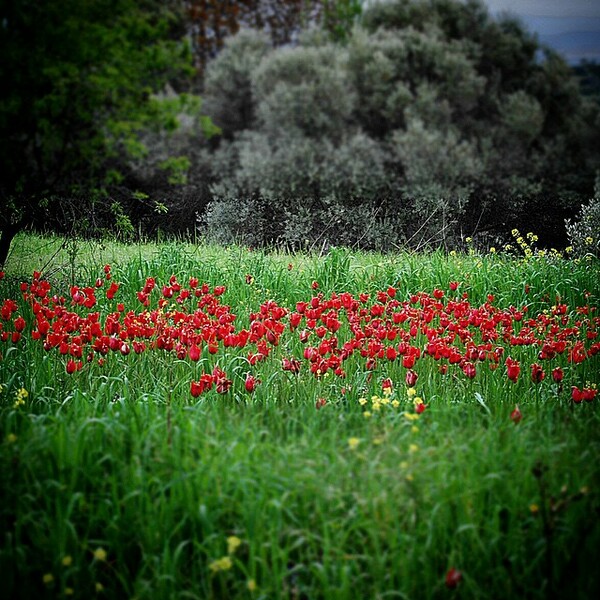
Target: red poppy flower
[537, 373]
[513, 369]
[515, 415]
[453, 578]
[557, 374]
[250, 383]
[411, 378]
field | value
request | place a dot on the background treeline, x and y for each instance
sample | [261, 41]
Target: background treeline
[380, 124]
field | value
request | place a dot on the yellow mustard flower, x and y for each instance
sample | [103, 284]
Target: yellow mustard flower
[100, 554]
[48, 578]
[233, 543]
[67, 560]
[221, 564]
[353, 443]
[251, 585]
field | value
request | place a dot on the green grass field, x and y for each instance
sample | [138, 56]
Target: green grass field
[338, 426]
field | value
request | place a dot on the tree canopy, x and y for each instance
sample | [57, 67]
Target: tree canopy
[466, 123]
[409, 122]
[79, 78]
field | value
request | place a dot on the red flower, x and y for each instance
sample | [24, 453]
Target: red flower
[557, 374]
[250, 383]
[420, 407]
[515, 415]
[453, 285]
[112, 290]
[469, 370]
[320, 403]
[453, 578]
[576, 394]
[19, 324]
[537, 373]
[512, 369]
[411, 378]
[194, 352]
[290, 364]
[73, 365]
[387, 384]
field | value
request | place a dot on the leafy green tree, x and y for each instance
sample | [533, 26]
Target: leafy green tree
[79, 81]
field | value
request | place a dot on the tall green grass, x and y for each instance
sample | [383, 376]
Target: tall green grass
[117, 484]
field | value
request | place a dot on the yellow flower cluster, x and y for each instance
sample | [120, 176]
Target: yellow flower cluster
[233, 543]
[20, 397]
[221, 564]
[353, 443]
[225, 563]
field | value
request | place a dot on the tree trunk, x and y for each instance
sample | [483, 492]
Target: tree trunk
[7, 234]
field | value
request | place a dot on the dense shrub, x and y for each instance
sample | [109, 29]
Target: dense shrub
[584, 232]
[432, 121]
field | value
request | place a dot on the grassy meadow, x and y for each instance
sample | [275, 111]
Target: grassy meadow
[185, 421]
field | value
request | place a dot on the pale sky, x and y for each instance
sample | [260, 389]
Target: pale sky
[572, 27]
[548, 8]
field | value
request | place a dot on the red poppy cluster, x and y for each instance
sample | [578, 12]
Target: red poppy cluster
[192, 321]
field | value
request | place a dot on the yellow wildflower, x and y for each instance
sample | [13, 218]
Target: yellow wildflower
[362, 401]
[367, 414]
[69, 591]
[251, 585]
[100, 554]
[395, 403]
[411, 416]
[353, 443]
[413, 448]
[414, 429]
[534, 509]
[233, 543]
[48, 578]
[411, 392]
[11, 438]
[221, 564]
[67, 560]
[99, 587]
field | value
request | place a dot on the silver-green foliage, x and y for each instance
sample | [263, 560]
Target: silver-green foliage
[431, 120]
[584, 231]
